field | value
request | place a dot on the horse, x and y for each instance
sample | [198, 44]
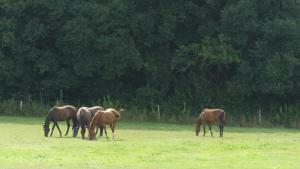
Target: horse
[64, 113]
[84, 116]
[209, 117]
[109, 117]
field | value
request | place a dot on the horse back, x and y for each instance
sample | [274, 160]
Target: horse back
[98, 118]
[84, 116]
[211, 116]
[219, 115]
[57, 114]
[105, 117]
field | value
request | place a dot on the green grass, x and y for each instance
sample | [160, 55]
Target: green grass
[147, 145]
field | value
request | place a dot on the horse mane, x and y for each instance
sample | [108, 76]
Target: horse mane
[52, 109]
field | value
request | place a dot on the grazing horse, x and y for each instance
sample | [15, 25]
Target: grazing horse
[64, 113]
[84, 116]
[109, 117]
[209, 117]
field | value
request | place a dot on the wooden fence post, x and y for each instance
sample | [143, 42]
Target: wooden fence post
[60, 95]
[21, 105]
[41, 95]
[259, 116]
[158, 112]
[184, 108]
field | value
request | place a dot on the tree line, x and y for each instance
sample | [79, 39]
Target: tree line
[240, 55]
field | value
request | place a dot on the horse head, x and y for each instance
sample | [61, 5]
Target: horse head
[75, 130]
[46, 130]
[92, 135]
[197, 128]
[197, 131]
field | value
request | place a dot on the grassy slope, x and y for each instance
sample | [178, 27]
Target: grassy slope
[147, 145]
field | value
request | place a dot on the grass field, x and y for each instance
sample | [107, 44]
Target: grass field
[147, 145]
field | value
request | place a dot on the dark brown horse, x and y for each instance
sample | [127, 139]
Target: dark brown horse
[210, 117]
[56, 114]
[84, 116]
[109, 117]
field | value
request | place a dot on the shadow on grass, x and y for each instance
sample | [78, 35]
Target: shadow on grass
[63, 137]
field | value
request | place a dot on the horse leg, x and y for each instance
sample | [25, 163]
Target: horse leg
[88, 129]
[222, 121]
[222, 130]
[82, 131]
[68, 124]
[58, 128]
[52, 129]
[203, 129]
[105, 132]
[97, 128]
[210, 130]
[112, 127]
[101, 131]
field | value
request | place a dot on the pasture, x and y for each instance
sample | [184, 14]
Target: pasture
[147, 145]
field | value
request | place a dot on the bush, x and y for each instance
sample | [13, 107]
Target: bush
[236, 115]
[28, 107]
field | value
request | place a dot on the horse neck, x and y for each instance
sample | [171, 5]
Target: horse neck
[92, 127]
[92, 124]
[48, 119]
[198, 121]
[75, 121]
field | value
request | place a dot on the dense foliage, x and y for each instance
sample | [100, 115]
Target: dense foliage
[176, 53]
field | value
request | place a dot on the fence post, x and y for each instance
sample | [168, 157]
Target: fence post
[60, 95]
[41, 95]
[259, 116]
[21, 105]
[158, 112]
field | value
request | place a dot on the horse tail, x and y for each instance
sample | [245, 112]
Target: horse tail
[117, 115]
[80, 116]
[222, 117]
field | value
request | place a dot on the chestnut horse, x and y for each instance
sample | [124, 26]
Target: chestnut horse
[209, 117]
[64, 113]
[84, 116]
[109, 117]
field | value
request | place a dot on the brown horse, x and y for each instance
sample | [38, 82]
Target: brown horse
[109, 117]
[84, 116]
[64, 113]
[209, 117]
